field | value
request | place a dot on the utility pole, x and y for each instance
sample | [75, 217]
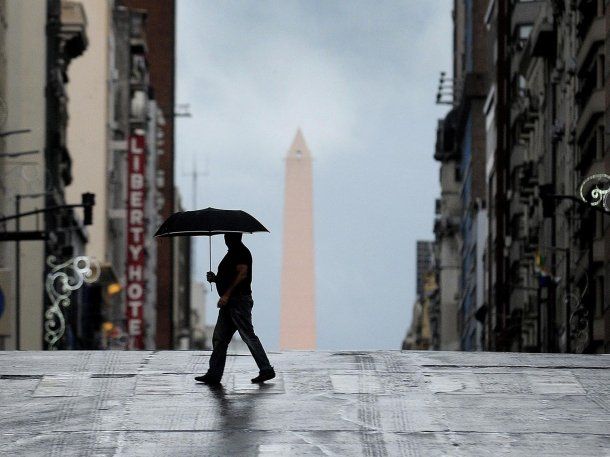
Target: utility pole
[17, 276]
[567, 301]
[18, 198]
[194, 175]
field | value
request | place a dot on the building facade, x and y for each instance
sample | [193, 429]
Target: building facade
[534, 230]
[559, 265]
[470, 80]
[447, 240]
[97, 126]
[39, 42]
[129, 142]
[419, 333]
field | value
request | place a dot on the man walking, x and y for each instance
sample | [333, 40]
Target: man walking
[233, 283]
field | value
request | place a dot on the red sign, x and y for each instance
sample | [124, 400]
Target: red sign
[136, 280]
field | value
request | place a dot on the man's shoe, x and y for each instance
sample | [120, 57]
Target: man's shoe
[264, 375]
[208, 379]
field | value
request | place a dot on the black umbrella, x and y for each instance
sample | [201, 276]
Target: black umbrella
[209, 222]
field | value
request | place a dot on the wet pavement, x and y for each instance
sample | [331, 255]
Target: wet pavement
[388, 403]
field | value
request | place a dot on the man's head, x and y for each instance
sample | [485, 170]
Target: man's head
[232, 239]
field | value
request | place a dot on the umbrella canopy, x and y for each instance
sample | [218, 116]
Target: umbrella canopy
[208, 222]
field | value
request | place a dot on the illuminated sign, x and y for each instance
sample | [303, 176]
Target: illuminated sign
[135, 271]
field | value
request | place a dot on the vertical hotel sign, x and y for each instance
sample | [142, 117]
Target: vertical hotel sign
[136, 280]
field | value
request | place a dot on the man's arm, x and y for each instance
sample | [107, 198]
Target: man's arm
[242, 273]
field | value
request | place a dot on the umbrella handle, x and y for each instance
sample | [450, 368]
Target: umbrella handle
[210, 250]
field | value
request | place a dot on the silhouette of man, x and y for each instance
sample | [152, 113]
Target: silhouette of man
[233, 283]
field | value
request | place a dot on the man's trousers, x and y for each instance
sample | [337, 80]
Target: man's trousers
[236, 315]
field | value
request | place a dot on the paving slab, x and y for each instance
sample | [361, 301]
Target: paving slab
[381, 403]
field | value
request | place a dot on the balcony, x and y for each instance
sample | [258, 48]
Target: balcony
[543, 37]
[588, 10]
[517, 156]
[139, 75]
[590, 148]
[594, 36]
[525, 13]
[73, 29]
[515, 205]
[517, 110]
[138, 40]
[446, 226]
[524, 112]
[446, 144]
[541, 41]
[529, 178]
[593, 108]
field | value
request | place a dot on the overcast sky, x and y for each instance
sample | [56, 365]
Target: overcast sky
[359, 78]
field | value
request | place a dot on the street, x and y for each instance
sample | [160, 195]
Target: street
[322, 403]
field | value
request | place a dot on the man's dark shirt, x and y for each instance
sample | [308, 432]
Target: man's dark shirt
[227, 271]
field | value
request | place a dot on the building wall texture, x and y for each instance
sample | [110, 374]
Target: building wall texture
[424, 263]
[444, 306]
[88, 127]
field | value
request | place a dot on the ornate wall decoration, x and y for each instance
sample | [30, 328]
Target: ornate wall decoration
[63, 279]
[595, 189]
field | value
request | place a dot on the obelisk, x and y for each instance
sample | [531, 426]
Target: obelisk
[298, 305]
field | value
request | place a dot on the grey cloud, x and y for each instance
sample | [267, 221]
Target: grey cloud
[360, 79]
